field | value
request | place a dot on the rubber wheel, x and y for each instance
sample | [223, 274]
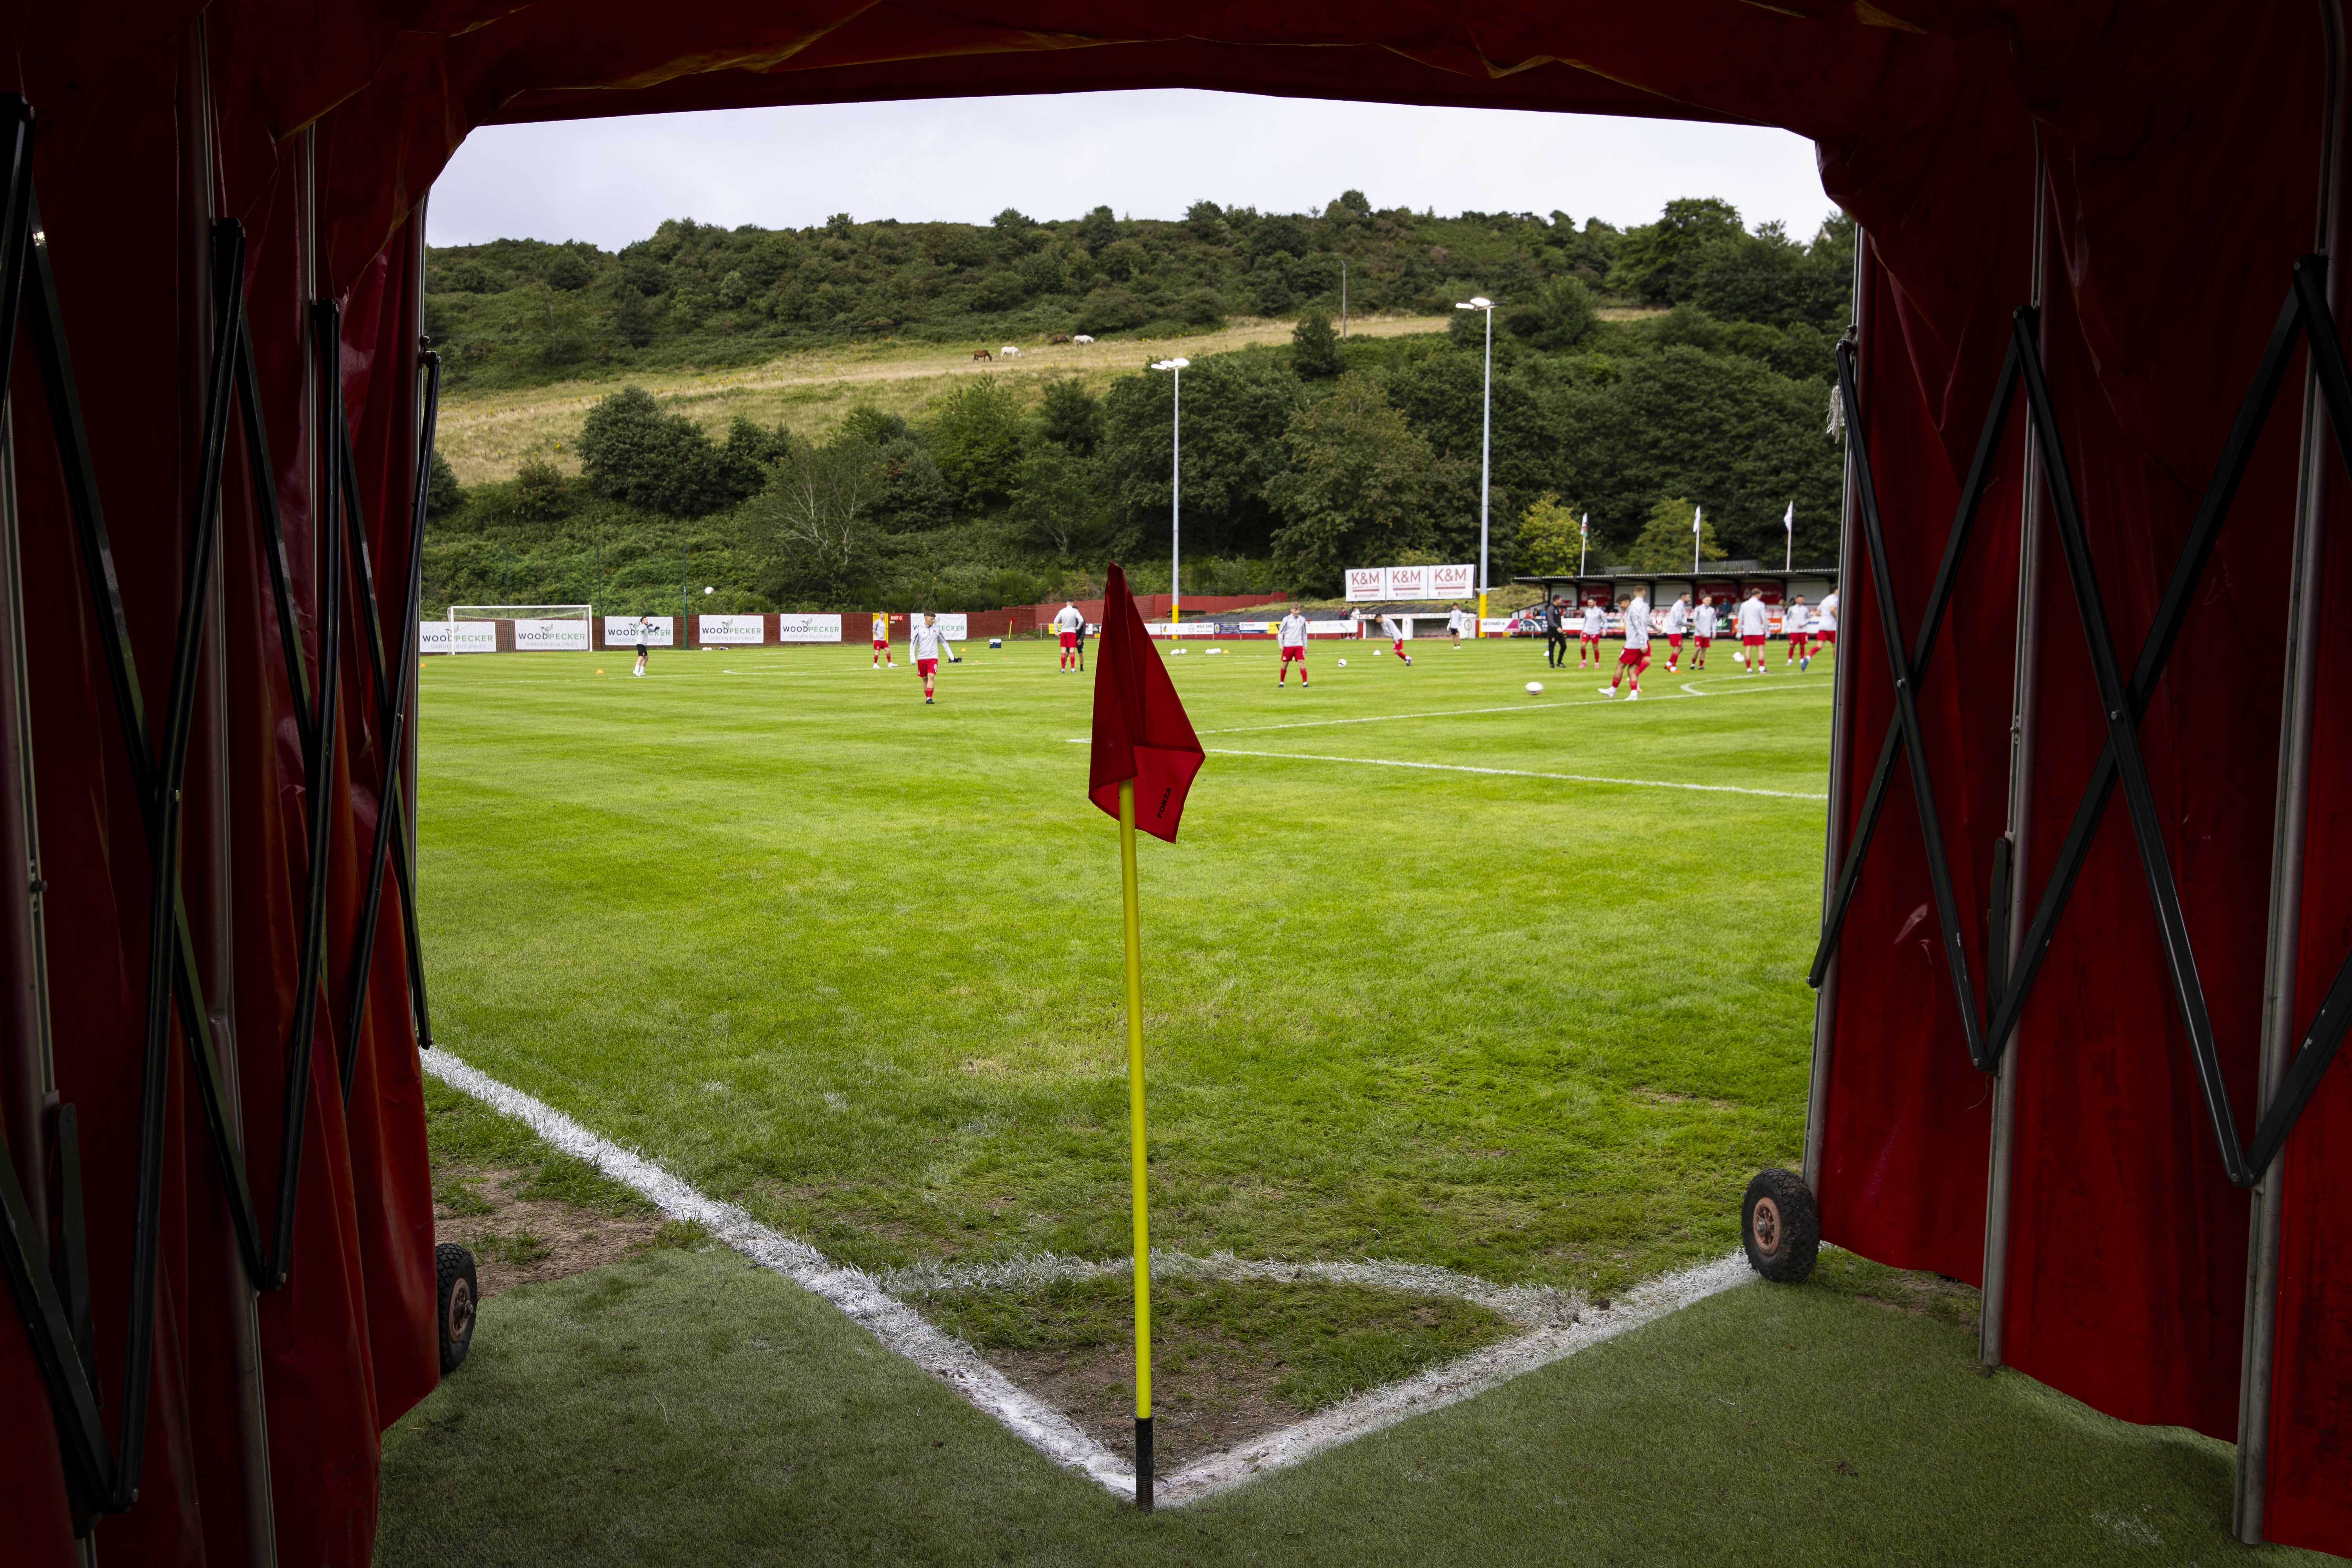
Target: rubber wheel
[459, 1294]
[1780, 1226]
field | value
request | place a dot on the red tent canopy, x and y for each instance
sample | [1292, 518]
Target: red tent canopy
[2181, 176]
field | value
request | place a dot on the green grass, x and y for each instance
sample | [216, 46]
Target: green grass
[684, 1407]
[461, 1130]
[855, 964]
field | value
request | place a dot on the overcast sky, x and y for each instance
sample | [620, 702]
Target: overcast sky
[1148, 154]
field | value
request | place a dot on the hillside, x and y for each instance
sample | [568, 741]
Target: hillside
[1636, 375]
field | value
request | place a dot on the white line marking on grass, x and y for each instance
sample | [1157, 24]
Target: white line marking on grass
[1565, 1328]
[1520, 773]
[1452, 1382]
[1468, 713]
[887, 1319]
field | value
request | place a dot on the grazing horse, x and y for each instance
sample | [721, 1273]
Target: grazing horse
[1059, 338]
[981, 353]
[1009, 352]
[1082, 338]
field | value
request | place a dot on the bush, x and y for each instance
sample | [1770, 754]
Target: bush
[630, 450]
[443, 493]
[541, 494]
[1110, 311]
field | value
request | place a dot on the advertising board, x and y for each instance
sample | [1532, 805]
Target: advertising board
[1453, 582]
[1375, 585]
[628, 631]
[730, 629]
[808, 628]
[533, 636]
[1367, 584]
[457, 636]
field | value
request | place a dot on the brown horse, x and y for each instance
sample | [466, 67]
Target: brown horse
[981, 353]
[1059, 338]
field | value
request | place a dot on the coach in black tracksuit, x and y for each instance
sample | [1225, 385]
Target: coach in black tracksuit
[1555, 636]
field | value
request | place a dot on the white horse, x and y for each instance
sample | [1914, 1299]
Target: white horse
[1082, 338]
[1008, 351]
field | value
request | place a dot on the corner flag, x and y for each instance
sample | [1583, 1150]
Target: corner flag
[1140, 731]
[1145, 756]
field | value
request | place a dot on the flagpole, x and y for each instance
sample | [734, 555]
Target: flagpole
[1135, 1135]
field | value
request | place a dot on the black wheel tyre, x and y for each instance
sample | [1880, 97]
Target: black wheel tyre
[459, 1294]
[1780, 1226]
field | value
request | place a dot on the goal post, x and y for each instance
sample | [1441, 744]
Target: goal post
[537, 628]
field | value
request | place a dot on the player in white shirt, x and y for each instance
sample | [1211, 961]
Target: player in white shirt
[1457, 621]
[1677, 624]
[1291, 635]
[1755, 625]
[1393, 629]
[928, 643]
[1702, 630]
[1588, 636]
[1071, 626]
[1636, 654]
[1825, 622]
[882, 639]
[1795, 623]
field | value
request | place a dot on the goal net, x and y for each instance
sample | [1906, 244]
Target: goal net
[542, 629]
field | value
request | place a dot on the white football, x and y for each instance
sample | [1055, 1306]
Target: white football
[1377, 651]
[1343, 664]
[1535, 689]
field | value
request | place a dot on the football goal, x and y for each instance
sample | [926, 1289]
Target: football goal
[564, 628]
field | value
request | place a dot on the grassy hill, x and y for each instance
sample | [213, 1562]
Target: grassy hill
[810, 429]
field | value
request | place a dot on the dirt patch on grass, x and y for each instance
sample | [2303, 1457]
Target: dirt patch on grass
[1913, 1292]
[1231, 1359]
[517, 1240]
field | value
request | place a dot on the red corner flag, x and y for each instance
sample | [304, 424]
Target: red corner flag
[1140, 730]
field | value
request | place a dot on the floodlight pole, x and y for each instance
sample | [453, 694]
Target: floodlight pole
[1485, 446]
[1176, 367]
[1343, 298]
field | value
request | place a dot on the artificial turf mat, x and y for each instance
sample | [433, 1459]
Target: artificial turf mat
[689, 1407]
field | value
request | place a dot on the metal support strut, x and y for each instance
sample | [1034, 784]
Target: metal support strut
[2305, 315]
[50, 1286]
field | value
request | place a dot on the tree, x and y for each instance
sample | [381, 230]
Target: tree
[569, 270]
[1354, 492]
[1549, 539]
[1099, 229]
[1559, 316]
[1237, 407]
[1664, 542]
[975, 436]
[1055, 505]
[633, 318]
[1314, 348]
[1650, 258]
[818, 514]
[1070, 416]
[630, 450]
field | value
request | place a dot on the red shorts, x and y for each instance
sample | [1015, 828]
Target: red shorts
[1069, 639]
[1634, 656]
[881, 645]
[1674, 641]
[1825, 636]
[1399, 646]
[1752, 642]
[1703, 641]
[927, 668]
[1588, 636]
[1296, 654]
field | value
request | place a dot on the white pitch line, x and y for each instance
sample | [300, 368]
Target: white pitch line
[1521, 773]
[901, 1328]
[1468, 713]
[897, 1325]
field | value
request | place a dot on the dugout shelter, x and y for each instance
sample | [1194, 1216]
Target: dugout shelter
[2089, 940]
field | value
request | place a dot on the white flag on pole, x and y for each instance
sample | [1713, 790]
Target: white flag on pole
[1788, 518]
[1584, 525]
[1698, 513]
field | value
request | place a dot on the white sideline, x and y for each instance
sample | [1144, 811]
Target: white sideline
[1564, 1328]
[897, 1325]
[1521, 773]
[1505, 708]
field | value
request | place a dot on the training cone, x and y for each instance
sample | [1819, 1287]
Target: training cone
[1535, 689]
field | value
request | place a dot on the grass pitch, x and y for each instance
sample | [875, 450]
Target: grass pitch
[854, 962]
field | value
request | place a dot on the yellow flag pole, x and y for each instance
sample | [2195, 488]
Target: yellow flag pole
[1135, 1133]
